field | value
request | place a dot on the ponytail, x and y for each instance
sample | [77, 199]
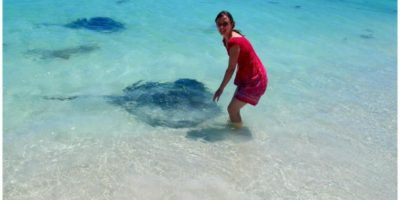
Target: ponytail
[237, 31]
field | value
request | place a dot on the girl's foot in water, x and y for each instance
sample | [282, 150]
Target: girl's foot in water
[235, 125]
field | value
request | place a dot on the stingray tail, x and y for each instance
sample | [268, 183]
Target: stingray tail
[109, 98]
[60, 98]
[40, 25]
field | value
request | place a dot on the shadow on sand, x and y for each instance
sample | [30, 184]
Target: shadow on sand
[215, 134]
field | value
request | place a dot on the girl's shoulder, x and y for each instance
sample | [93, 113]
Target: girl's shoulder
[236, 40]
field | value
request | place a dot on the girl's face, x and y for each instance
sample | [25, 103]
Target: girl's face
[224, 25]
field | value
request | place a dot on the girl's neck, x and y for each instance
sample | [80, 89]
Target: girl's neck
[231, 34]
[228, 36]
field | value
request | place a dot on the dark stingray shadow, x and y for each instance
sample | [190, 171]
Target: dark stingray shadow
[122, 1]
[216, 134]
[273, 2]
[98, 24]
[184, 103]
[64, 54]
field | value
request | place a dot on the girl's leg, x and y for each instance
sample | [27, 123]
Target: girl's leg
[234, 112]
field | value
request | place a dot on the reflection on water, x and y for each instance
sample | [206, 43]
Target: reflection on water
[215, 134]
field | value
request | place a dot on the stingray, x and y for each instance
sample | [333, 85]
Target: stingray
[180, 104]
[65, 53]
[122, 1]
[99, 24]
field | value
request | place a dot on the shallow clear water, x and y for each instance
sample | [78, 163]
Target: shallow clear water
[326, 128]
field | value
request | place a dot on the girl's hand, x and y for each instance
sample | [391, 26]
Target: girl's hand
[217, 94]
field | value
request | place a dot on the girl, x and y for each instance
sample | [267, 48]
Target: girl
[251, 77]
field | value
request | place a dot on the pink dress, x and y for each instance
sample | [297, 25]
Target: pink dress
[251, 77]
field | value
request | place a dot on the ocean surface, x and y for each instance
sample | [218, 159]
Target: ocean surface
[325, 129]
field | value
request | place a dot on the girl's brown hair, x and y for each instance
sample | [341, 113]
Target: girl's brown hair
[226, 13]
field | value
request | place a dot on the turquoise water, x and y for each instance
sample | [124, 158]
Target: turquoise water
[326, 128]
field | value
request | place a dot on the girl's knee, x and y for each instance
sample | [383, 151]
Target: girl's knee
[235, 106]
